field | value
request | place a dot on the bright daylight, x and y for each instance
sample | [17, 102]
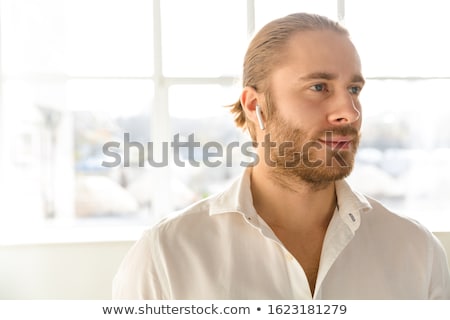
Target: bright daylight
[113, 116]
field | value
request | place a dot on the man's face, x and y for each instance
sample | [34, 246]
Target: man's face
[316, 119]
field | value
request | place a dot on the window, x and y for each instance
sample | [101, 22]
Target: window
[403, 159]
[86, 83]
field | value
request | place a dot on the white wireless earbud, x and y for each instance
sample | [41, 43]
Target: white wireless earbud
[259, 116]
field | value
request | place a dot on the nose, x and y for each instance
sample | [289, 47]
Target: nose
[346, 110]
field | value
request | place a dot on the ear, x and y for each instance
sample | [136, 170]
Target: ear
[249, 100]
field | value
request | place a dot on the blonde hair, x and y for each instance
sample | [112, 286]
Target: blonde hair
[264, 52]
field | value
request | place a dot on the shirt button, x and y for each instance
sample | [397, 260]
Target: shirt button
[352, 217]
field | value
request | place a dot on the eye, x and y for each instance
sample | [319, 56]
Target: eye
[355, 89]
[319, 87]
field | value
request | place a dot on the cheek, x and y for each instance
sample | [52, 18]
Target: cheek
[304, 114]
[312, 120]
[358, 123]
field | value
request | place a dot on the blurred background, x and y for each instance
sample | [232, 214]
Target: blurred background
[78, 74]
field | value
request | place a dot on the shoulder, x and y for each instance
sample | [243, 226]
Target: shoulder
[194, 216]
[404, 235]
[380, 214]
[198, 225]
[398, 230]
[142, 273]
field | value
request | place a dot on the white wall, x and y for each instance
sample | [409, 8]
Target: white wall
[59, 271]
[69, 271]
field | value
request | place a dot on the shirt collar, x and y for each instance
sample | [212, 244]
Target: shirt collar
[350, 204]
[238, 198]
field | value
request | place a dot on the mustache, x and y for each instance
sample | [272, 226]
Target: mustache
[347, 131]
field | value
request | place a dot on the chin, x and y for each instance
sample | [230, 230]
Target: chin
[326, 175]
[315, 178]
[316, 170]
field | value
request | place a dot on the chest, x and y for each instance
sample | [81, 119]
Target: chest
[306, 249]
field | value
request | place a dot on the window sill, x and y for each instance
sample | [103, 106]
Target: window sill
[49, 233]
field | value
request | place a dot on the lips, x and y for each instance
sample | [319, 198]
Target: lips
[338, 143]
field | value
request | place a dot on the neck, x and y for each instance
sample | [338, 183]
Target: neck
[292, 205]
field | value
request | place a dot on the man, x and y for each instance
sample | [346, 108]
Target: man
[291, 227]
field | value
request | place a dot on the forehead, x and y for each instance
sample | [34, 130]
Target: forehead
[321, 51]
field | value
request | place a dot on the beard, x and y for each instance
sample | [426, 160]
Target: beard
[296, 157]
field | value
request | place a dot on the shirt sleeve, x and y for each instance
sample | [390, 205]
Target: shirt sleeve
[137, 277]
[440, 277]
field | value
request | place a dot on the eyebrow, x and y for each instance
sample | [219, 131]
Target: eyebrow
[329, 76]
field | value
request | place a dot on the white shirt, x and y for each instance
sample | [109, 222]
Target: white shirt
[219, 248]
